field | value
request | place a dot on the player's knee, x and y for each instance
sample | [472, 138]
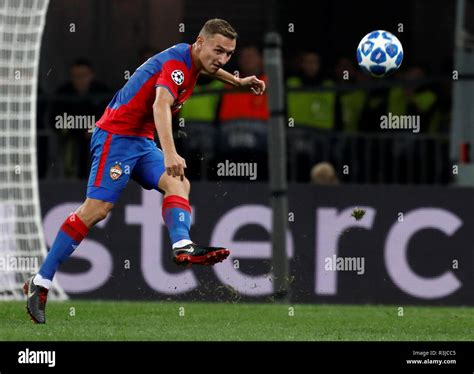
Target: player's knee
[183, 187]
[175, 186]
[93, 211]
[179, 187]
[102, 210]
[186, 185]
[102, 213]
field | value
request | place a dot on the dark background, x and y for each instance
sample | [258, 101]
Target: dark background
[111, 33]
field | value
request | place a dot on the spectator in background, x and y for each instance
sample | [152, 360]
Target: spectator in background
[313, 113]
[349, 104]
[202, 108]
[311, 108]
[244, 105]
[80, 101]
[199, 130]
[375, 103]
[323, 173]
[243, 117]
[418, 99]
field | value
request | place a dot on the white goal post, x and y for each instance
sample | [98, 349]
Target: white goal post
[22, 245]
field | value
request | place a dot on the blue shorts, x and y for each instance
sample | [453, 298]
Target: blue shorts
[116, 158]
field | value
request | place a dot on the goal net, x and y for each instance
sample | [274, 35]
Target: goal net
[22, 246]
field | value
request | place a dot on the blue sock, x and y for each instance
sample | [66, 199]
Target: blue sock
[72, 231]
[177, 217]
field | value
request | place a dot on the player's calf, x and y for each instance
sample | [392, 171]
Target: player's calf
[176, 213]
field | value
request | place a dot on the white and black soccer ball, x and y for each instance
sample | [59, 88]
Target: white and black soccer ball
[379, 53]
[177, 76]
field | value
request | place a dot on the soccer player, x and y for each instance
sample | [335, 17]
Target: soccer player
[122, 147]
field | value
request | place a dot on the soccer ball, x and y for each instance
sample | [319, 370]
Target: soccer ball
[379, 53]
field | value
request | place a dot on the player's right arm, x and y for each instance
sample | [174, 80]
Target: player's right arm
[174, 163]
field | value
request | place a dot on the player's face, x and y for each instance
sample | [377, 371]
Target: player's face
[216, 51]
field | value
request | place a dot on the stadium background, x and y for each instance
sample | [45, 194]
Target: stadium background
[116, 39]
[415, 238]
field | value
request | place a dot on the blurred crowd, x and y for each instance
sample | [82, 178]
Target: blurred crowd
[333, 114]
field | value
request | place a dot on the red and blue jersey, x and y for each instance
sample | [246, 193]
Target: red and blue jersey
[131, 110]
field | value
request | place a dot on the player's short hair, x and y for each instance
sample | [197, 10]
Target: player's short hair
[218, 26]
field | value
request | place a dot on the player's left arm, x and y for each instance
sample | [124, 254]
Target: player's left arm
[257, 86]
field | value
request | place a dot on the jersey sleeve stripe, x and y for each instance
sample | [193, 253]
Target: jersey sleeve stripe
[169, 89]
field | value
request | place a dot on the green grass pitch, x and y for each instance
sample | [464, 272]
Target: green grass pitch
[184, 321]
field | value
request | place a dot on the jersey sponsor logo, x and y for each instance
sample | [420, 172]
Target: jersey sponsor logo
[178, 77]
[115, 171]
